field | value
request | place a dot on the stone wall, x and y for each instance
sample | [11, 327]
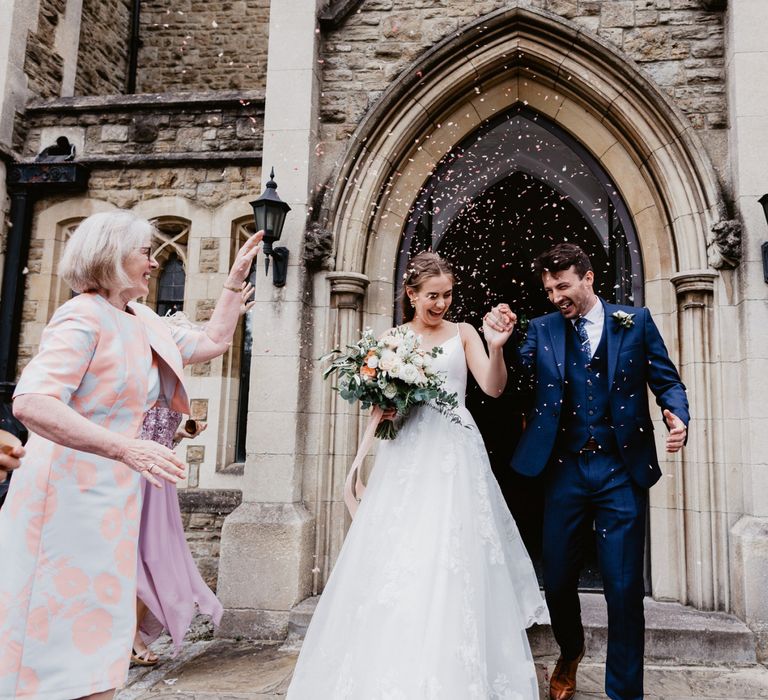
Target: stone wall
[43, 65]
[202, 514]
[678, 43]
[102, 62]
[203, 45]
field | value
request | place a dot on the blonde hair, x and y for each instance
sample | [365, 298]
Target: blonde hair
[422, 267]
[94, 255]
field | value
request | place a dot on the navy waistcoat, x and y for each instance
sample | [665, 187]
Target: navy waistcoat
[586, 410]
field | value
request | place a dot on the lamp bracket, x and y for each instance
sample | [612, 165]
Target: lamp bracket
[279, 266]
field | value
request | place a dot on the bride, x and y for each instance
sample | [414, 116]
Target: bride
[433, 588]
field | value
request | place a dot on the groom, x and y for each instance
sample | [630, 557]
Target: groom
[590, 432]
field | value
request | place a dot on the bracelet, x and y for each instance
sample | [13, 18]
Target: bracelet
[236, 290]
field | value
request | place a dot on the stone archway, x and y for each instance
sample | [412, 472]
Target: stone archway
[519, 56]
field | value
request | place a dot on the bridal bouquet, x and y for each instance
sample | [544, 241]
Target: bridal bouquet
[390, 372]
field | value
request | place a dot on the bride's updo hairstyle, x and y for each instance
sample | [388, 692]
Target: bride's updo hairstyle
[420, 269]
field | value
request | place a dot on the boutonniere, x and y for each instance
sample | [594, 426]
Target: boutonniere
[624, 319]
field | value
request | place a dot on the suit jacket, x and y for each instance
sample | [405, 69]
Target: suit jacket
[637, 358]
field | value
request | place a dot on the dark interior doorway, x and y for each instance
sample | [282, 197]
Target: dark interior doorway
[514, 188]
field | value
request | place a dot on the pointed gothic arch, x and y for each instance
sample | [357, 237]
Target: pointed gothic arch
[532, 59]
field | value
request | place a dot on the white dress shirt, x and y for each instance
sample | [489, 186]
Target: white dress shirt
[595, 320]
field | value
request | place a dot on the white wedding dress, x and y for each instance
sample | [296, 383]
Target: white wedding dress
[433, 588]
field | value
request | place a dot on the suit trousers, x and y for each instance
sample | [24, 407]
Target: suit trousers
[596, 487]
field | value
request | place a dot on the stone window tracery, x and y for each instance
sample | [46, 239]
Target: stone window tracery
[169, 244]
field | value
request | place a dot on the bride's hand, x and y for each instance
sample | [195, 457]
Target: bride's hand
[498, 325]
[389, 414]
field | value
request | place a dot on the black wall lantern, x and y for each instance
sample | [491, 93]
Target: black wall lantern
[269, 212]
[764, 248]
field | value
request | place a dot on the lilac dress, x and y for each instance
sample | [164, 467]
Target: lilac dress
[168, 581]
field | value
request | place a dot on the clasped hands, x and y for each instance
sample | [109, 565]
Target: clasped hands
[499, 322]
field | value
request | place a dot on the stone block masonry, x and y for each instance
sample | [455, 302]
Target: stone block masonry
[202, 514]
[154, 129]
[102, 62]
[43, 65]
[189, 45]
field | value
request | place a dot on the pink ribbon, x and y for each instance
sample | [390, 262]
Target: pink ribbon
[353, 486]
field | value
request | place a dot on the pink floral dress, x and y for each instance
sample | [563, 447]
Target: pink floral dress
[69, 527]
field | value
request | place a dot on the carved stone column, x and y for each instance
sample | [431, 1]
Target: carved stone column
[345, 327]
[702, 520]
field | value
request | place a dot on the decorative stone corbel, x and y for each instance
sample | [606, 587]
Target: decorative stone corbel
[724, 245]
[318, 246]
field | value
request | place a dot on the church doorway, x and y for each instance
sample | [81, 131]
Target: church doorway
[512, 189]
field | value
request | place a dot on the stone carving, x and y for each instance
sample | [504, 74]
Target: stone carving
[724, 245]
[335, 12]
[318, 246]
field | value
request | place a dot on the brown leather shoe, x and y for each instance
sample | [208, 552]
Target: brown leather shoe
[562, 685]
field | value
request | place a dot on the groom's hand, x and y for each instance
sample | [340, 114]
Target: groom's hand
[501, 318]
[677, 431]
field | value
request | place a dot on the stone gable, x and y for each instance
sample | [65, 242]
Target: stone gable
[679, 44]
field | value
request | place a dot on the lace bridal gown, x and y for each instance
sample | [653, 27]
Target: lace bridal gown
[433, 588]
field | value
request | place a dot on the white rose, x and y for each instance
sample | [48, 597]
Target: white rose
[372, 362]
[396, 370]
[417, 360]
[392, 341]
[403, 351]
[409, 374]
[387, 360]
[390, 391]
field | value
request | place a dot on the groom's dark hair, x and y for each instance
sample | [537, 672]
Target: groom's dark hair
[561, 257]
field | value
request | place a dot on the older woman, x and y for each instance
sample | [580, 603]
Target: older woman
[71, 520]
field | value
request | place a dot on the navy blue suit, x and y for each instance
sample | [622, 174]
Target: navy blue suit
[604, 401]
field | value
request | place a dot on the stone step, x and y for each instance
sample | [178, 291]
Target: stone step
[226, 669]
[298, 621]
[674, 633]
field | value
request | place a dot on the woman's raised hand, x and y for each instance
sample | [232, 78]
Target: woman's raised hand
[153, 461]
[242, 265]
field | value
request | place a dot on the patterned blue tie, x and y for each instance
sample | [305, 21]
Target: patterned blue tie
[580, 325]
